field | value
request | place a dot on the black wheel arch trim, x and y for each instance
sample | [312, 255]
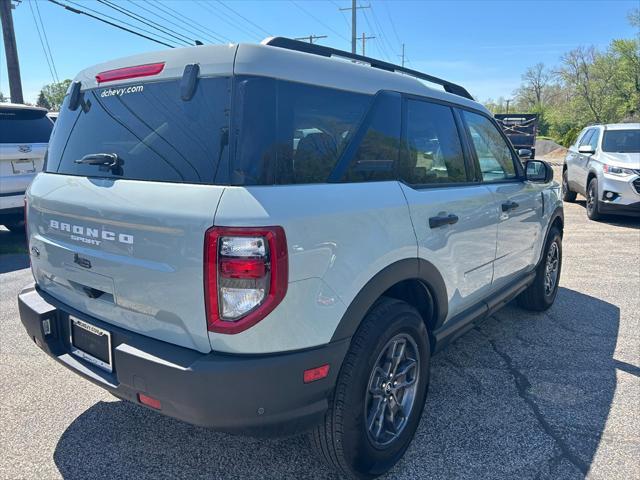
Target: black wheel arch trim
[558, 213]
[406, 269]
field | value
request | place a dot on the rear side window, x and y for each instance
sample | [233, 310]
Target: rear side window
[156, 135]
[22, 125]
[377, 151]
[434, 153]
[493, 152]
[291, 133]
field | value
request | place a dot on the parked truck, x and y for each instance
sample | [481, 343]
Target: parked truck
[521, 128]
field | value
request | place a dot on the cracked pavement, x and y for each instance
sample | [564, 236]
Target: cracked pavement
[535, 396]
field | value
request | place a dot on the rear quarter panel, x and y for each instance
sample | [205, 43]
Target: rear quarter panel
[339, 236]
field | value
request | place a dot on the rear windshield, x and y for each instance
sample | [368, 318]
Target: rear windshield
[621, 141]
[155, 134]
[21, 125]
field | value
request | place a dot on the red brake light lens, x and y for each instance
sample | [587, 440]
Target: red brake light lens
[130, 72]
[246, 275]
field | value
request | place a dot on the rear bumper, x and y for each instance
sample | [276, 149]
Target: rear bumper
[253, 394]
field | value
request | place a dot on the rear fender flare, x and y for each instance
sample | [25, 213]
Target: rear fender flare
[407, 269]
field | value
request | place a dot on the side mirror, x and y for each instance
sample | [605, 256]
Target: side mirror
[75, 96]
[586, 149]
[525, 153]
[538, 171]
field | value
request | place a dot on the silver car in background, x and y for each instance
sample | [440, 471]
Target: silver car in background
[24, 135]
[603, 165]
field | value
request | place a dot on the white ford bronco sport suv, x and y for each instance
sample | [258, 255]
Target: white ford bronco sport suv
[266, 239]
[604, 166]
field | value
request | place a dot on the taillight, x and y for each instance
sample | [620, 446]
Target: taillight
[246, 275]
[130, 72]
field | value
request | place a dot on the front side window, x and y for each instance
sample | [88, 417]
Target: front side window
[433, 150]
[291, 133]
[586, 138]
[621, 141]
[493, 152]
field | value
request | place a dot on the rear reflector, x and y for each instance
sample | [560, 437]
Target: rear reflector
[130, 72]
[317, 373]
[149, 401]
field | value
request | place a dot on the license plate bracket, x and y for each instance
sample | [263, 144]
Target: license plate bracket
[90, 343]
[22, 166]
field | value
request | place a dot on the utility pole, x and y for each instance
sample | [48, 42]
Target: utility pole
[402, 56]
[354, 36]
[508, 101]
[13, 67]
[364, 40]
[311, 38]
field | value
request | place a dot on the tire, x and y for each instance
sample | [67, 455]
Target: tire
[567, 194]
[538, 297]
[593, 200]
[15, 227]
[343, 440]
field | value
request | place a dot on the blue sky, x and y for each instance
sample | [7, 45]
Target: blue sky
[484, 46]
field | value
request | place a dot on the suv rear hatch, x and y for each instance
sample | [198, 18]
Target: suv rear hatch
[118, 219]
[24, 133]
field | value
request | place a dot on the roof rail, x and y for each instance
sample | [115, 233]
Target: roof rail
[315, 49]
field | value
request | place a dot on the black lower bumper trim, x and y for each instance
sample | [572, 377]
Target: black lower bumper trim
[253, 394]
[632, 209]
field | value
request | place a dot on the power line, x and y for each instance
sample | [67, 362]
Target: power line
[320, 21]
[229, 21]
[44, 50]
[81, 12]
[124, 22]
[46, 39]
[311, 38]
[393, 27]
[342, 14]
[243, 17]
[195, 25]
[383, 34]
[379, 45]
[172, 33]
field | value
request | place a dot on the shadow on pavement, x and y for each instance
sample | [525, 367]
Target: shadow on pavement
[522, 395]
[616, 220]
[13, 251]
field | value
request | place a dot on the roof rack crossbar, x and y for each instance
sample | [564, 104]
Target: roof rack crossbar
[316, 49]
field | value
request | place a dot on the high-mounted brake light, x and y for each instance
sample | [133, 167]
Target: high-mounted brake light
[130, 72]
[245, 275]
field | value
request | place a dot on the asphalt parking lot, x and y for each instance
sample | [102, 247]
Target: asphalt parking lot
[545, 396]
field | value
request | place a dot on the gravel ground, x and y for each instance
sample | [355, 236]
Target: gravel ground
[545, 396]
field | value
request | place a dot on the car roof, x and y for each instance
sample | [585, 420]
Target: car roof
[622, 126]
[20, 106]
[274, 62]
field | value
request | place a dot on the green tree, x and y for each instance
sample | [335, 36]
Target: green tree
[43, 102]
[54, 93]
[3, 98]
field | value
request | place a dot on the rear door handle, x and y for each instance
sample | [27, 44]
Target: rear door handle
[442, 220]
[510, 205]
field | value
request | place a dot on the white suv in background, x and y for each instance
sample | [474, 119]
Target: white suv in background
[24, 134]
[604, 166]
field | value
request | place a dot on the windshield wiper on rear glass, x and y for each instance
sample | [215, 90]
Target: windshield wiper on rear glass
[105, 161]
